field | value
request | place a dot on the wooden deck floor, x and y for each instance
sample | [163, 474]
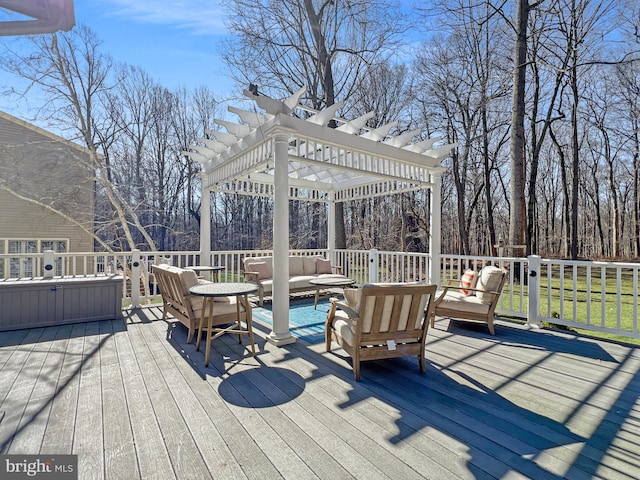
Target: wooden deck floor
[133, 400]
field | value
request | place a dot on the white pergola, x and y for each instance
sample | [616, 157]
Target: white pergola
[277, 154]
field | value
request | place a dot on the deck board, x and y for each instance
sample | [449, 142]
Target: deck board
[59, 434]
[182, 450]
[89, 426]
[209, 442]
[149, 446]
[134, 400]
[119, 445]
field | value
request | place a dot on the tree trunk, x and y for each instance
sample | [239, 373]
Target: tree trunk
[488, 191]
[517, 214]
[575, 150]
[636, 188]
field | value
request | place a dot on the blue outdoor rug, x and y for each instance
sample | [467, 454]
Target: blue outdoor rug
[304, 322]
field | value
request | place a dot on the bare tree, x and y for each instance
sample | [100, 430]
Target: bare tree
[464, 76]
[517, 212]
[629, 78]
[193, 113]
[580, 21]
[325, 45]
[70, 69]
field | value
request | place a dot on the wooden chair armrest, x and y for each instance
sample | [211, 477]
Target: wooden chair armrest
[337, 268]
[345, 308]
[481, 290]
[446, 288]
[440, 297]
[252, 276]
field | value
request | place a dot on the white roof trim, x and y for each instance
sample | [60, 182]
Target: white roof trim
[40, 131]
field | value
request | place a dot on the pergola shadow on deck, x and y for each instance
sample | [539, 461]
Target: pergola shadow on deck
[134, 400]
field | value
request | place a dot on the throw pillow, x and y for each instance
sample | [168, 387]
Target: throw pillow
[189, 279]
[323, 266]
[352, 297]
[488, 279]
[261, 269]
[468, 280]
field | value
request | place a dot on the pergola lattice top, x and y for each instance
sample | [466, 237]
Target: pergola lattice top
[351, 161]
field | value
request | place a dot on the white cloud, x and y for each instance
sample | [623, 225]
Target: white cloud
[199, 16]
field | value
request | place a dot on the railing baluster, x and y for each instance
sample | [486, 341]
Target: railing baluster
[589, 294]
[603, 297]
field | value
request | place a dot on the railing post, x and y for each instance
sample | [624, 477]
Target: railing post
[135, 278]
[373, 265]
[48, 264]
[534, 291]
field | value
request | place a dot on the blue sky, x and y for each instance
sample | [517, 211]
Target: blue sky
[175, 41]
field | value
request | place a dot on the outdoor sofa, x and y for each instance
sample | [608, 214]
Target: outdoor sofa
[302, 269]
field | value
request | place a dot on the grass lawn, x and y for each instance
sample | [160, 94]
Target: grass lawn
[612, 304]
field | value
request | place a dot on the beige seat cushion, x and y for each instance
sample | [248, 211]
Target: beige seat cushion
[189, 279]
[352, 297]
[261, 269]
[466, 303]
[224, 306]
[300, 281]
[267, 260]
[267, 285]
[344, 326]
[488, 279]
[310, 264]
[296, 266]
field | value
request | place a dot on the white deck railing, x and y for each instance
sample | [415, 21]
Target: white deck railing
[600, 296]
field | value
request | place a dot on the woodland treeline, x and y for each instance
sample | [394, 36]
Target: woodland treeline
[542, 97]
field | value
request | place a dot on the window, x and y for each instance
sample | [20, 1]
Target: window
[24, 263]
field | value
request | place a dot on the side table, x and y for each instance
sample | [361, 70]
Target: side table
[212, 290]
[213, 270]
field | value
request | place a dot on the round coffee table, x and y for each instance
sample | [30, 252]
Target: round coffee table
[329, 282]
[211, 290]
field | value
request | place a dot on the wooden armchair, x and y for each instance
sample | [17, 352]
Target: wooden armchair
[474, 301]
[174, 284]
[386, 321]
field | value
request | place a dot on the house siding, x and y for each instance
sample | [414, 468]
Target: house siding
[46, 186]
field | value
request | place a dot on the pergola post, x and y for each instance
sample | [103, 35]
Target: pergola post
[331, 227]
[435, 242]
[280, 335]
[205, 226]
